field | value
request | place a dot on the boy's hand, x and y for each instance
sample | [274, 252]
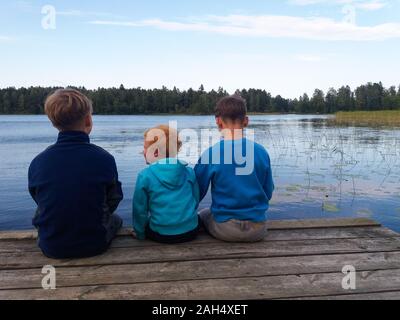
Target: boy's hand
[134, 236]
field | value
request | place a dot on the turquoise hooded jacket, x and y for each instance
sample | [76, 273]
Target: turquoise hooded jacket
[166, 197]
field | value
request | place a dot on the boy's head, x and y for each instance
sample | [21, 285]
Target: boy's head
[69, 110]
[231, 113]
[161, 142]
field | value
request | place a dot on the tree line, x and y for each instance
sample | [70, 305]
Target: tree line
[372, 96]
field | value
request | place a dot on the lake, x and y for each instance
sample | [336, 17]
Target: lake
[320, 171]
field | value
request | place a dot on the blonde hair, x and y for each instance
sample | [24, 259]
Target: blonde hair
[67, 107]
[172, 140]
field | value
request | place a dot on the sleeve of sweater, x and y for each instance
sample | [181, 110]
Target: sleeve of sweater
[204, 176]
[196, 192]
[114, 191]
[269, 186]
[140, 208]
[31, 187]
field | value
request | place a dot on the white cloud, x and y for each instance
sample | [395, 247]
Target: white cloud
[312, 28]
[308, 58]
[4, 38]
[80, 13]
[369, 5]
[29, 7]
[121, 23]
[306, 2]
[72, 13]
[24, 5]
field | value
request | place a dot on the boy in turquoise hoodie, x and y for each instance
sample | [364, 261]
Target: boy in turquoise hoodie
[167, 194]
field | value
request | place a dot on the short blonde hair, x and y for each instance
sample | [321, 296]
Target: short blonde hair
[67, 107]
[170, 135]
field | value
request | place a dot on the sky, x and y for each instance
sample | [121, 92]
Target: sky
[286, 47]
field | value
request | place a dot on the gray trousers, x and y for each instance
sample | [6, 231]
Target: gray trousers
[234, 230]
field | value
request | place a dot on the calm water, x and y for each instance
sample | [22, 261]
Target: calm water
[320, 171]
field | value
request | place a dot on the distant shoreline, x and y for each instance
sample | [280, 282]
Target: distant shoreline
[184, 114]
[384, 118]
[138, 101]
[211, 114]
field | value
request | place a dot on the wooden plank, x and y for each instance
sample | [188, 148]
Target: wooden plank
[18, 235]
[197, 270]
[189, 252]
[231, 289]
[204, 239]
[390, 295]
[285, 235]
[322, 223]
[272, 225]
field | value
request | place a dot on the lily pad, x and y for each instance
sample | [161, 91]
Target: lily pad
[293, 188]
[317, 188]
[329, 207]
[365, 213]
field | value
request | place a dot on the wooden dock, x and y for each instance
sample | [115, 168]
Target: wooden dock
[298, 260]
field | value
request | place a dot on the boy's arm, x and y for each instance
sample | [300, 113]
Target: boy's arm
[196, 191]
[140, 209]
[32, 192]
[269, 186]
[32, 189]
[204, 177]
[114, 191]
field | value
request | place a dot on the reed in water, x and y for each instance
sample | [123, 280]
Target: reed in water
[388, 118]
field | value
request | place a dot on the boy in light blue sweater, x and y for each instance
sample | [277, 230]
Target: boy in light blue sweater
[167, 195]
[239, 171]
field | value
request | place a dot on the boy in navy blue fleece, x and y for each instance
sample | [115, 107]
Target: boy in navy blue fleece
[75, 184]
[241, 190]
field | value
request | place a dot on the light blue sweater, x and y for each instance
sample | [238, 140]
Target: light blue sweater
[166, 197]
[236, 196]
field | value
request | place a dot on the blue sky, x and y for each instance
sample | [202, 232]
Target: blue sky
[286, 47]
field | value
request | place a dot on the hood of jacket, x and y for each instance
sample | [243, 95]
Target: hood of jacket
[171, 173]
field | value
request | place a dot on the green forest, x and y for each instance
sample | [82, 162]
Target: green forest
[372, 96]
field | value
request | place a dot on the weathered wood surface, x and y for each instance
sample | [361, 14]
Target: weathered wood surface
[215, 251]
[274, 287]
[297, 260]
[273, 235]
[272, 225]
[389, 295]
[198, 270]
